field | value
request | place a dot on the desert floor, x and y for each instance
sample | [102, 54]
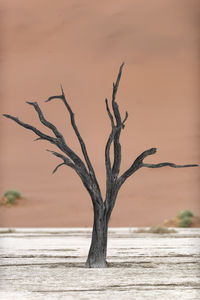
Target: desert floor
[49, 264]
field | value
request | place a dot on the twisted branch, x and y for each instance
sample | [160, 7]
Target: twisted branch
[115, 133]
[109, 114]
[116, 126]
[117, 145]
[136, 165]
[74, 126]
[165, 164]
[84, 177]
[115, 87]
[73, 123]
[45, 122]
[59, 141]
[66, 161]
[42, 136]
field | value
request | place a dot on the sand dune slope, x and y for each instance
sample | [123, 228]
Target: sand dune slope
[82, 44]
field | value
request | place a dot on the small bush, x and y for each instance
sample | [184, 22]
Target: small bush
[185, 213]
[14, 193]
[185, 222]
[10, 197]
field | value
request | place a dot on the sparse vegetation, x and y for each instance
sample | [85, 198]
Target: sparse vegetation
[185, 213]
[185, 222]
[157, 229]
[10, 197]
[14, 193]
[9, 230]
[184, 218]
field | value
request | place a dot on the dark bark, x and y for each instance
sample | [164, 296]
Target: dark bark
[102, 209]
[98, 248]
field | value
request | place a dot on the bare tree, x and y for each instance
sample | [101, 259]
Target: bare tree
[102, 207]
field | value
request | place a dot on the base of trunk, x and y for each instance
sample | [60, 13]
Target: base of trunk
[96, 263]
[98, 248]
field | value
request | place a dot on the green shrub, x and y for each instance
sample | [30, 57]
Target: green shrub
[14, 193]
[10, 196]
[185, 213]
[10, 199]
[185, 222]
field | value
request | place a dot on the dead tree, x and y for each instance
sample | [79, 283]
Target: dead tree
[102, 207]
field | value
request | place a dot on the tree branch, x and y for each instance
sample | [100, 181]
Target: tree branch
[114, 135]
[108, 145]
[109, 114]
[59, 141]
[116, 84]
[41, 135]
[125, 118]
[85, 178]
[73, 123]
[58, 166]
[82, 144]
[119, 123]
[88, 179]
[109, 174]
[112, 172]
[66, 161]
[137, 164]
[45, 122]
[164, 164]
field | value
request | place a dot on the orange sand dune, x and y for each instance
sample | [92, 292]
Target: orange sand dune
[82, 44]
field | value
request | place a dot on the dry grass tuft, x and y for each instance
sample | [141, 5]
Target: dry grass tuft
[157, 230]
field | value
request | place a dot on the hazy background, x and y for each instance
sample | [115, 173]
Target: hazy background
[82, 43]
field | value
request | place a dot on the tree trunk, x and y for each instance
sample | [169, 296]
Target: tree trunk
[98, 249]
